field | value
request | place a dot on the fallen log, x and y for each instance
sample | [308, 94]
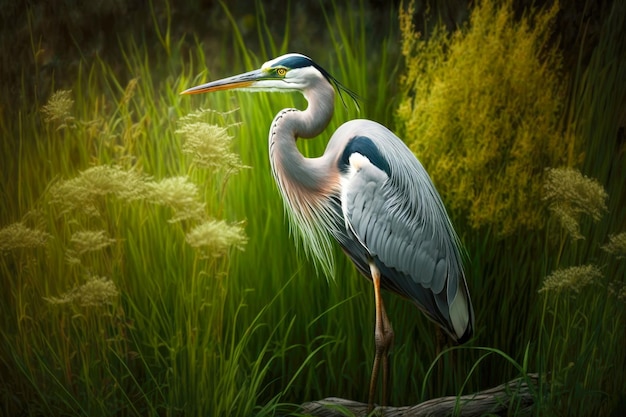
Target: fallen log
[517, 395]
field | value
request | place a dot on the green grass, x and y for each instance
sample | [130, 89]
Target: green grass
[254, 331]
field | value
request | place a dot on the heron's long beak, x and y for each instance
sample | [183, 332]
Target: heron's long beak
[244, 80]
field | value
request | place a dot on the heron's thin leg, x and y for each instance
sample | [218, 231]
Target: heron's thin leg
[383, 337]
[373, 380]
[389, 337]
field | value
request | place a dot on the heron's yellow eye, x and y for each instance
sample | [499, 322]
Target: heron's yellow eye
[281, 71]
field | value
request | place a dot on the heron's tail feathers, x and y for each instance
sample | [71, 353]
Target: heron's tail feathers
[462, 315]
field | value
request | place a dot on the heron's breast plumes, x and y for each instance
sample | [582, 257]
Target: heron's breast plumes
[314, 213]
[311, 199]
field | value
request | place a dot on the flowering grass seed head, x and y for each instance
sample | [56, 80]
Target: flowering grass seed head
[573, 279]
[81, 192]
[17, 235]
[87, 241]
[129, 91]
[181, 195]
[95, 292]
[570, 194]
[216, 237]
[208, 144]
[90, 240]
[58, 110]
[616, 245]
[568, 221]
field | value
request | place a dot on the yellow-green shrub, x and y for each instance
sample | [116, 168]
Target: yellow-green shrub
[482, 109]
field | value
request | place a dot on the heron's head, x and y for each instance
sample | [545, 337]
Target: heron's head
[290, 72]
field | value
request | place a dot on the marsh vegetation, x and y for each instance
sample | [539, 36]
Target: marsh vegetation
[147, 267]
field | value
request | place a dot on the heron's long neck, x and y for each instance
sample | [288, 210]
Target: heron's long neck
[292, 170]
[308, 184]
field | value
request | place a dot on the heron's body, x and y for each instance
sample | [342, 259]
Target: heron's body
[369, 193]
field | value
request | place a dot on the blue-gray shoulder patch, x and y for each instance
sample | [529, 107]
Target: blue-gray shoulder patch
[366, 147]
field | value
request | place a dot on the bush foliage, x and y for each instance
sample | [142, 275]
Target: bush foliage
[482, 108]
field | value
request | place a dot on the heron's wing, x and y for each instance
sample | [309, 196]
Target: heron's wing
[406, 244]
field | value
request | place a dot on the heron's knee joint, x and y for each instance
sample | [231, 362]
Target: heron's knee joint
[383, 340]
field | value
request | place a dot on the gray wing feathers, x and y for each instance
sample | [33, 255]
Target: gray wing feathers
[413, 244]
[405, 245]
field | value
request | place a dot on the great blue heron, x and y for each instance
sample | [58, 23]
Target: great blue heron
[368, 192]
